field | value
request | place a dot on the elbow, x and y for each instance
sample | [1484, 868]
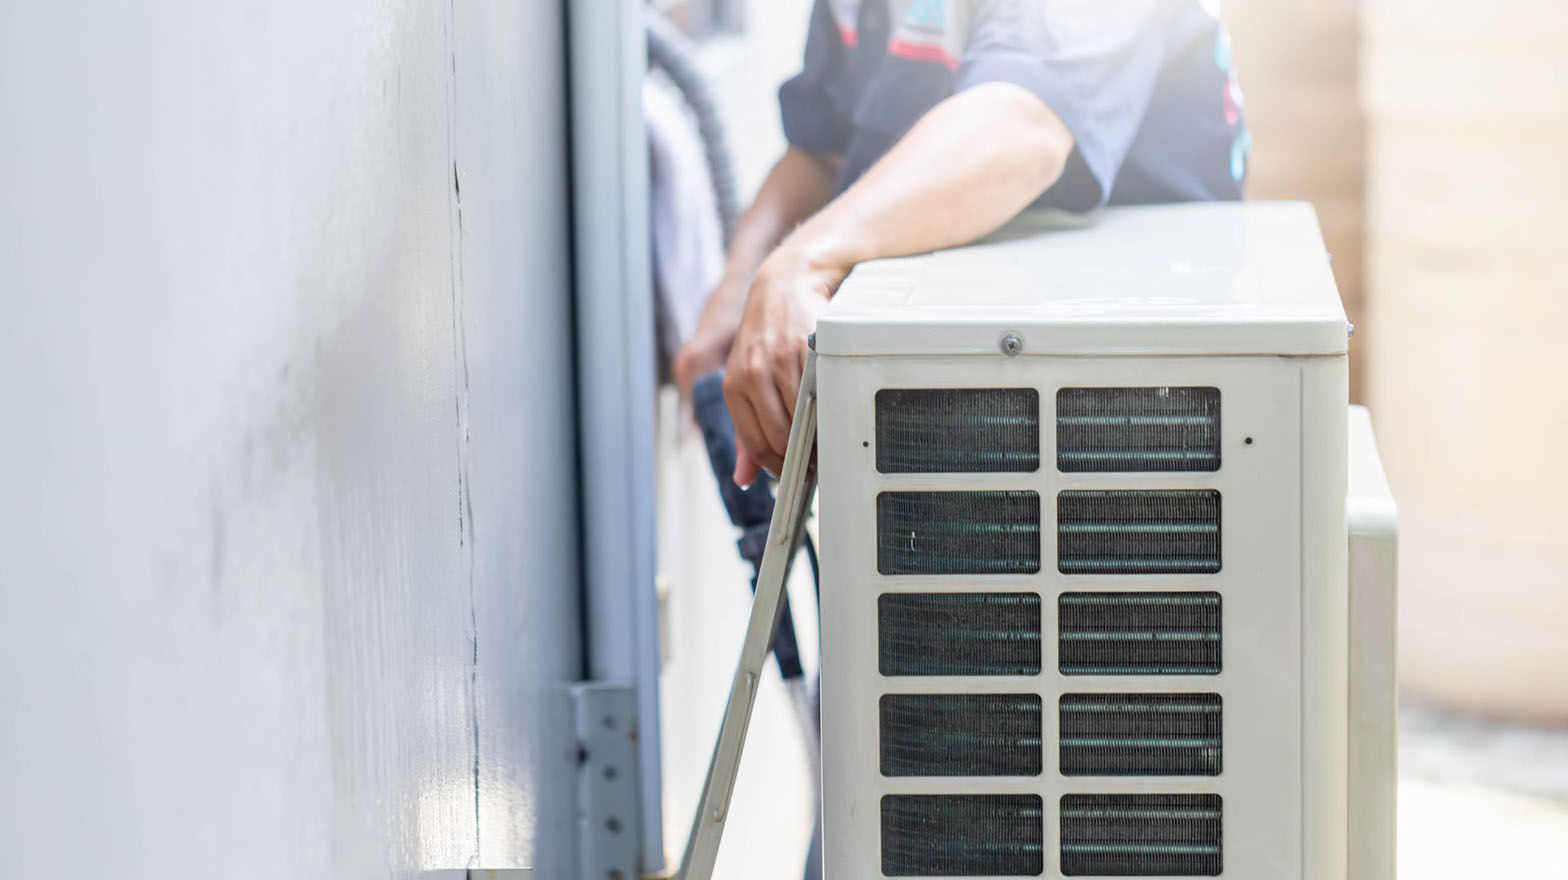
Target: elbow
[1037, 143]
[1049, 144]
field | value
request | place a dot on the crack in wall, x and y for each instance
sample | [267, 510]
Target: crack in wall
[465, 501]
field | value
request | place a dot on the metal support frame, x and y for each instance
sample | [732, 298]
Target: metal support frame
[797, 483]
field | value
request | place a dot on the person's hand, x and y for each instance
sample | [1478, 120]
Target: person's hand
[709, 344]
[762, 376]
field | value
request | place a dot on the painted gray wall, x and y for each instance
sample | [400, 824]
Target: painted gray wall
[287, 529]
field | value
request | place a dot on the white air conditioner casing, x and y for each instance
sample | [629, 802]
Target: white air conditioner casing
[1233, 297]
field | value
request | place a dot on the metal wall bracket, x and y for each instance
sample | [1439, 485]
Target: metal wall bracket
[608, 821]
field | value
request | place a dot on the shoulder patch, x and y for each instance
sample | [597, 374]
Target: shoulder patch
[928, 30]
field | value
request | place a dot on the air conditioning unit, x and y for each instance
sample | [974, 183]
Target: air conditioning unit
[1086, 607]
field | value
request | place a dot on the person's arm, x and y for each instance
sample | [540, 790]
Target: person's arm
[965, 168]
[796, 188]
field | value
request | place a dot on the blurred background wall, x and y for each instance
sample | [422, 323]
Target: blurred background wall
[288, 548]
[1467, 167]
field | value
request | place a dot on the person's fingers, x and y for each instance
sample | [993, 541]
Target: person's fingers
[748, 431]
[787, 363]
[774, 407]
[785, 387]
[686, 371]
[757, 384]
[774, 422]
[746, 468]
[699, 357]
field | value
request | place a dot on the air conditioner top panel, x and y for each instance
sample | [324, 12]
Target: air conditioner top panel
[1222, 278]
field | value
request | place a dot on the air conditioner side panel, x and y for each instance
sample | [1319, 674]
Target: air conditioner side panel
[1325, 618]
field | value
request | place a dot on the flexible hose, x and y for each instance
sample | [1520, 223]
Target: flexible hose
[670, 52]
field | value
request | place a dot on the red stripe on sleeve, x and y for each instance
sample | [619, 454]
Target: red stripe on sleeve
[921, 52]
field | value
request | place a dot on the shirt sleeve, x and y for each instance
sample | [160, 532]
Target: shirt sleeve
[1095, 63]
[812, 102]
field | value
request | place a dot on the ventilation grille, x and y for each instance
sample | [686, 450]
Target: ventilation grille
[1140, 734]
[958, 430]
[958, 634]
[992, 532]
[1137, 429]
[962, 835]
[961, 735]
[1139, 532]
[1139, 633]
[1149, 835]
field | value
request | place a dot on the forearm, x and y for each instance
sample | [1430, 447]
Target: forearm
[967, 167]
[797, 187]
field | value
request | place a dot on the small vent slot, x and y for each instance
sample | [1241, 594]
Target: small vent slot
[992, 532]
[958, 634]
[1139, 633]
[958, 430]
[1148, 835]
[994, 835]
[1138, 532]
[1137, 429]
[961, 735]
[1140, 734]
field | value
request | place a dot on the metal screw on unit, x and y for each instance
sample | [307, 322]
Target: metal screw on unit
[1012, 344]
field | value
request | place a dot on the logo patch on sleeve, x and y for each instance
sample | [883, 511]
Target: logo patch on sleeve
[927, 30]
